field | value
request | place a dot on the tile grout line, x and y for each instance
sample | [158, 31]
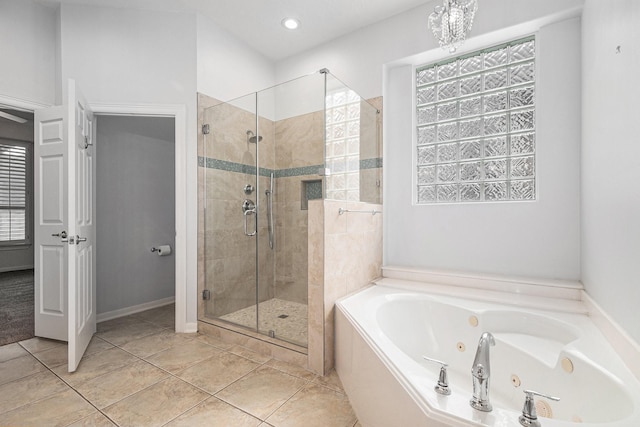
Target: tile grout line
[312, 382]
[128, 352]
[82, 396]
[139, 359]
[287, 400]
[22, 378]
[238, 379]
[247, 374]
[70, 387]
[210, 395]
[187, 382]
[306, 382]
[67, 384]
[195, 405]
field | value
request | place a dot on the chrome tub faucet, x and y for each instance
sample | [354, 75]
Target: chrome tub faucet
[481, 372]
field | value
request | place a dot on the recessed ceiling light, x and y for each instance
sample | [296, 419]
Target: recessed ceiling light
[290, 23]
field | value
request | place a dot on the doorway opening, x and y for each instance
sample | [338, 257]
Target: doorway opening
[184, 206]
[135, 214]
[16, 225]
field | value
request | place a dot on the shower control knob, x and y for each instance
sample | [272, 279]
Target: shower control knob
[248, 189]
[248, 206]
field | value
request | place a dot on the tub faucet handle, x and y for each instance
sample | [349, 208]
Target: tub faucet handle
[443, 383]
[529, 418]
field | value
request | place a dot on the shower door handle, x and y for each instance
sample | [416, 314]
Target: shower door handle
[249, 209]
[247, 214]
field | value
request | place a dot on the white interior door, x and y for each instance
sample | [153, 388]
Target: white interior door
[65, 224]
[51, 223]
[82, 283]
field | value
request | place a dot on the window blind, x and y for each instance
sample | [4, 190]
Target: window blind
[13, 192]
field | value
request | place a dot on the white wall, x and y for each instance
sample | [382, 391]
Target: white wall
[228, 68]
[605, 253]
[129, 56]
[611, 158]
[126, 56]
[537, 239]
[497, 238]
[28, 51]
[135, 162]
[358, 58]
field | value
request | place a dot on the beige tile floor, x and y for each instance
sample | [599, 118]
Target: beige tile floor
[138, 372]
[292, 328]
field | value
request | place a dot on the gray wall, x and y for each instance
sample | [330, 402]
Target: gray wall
[21, 257]
[135, 210]
[611, 158]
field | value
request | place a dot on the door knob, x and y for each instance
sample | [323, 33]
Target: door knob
[80, 239]
[62, 235]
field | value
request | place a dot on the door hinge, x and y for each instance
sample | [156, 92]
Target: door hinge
[205, 129]
[206, 294]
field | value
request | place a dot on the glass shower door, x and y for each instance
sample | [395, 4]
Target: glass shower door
[290, 118]
[231, 208]
[263, 154]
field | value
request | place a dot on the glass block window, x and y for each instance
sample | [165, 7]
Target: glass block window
[14, 167]
[342, 149]
[475, 130]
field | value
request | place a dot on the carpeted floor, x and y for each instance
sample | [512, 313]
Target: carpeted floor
[16, 306]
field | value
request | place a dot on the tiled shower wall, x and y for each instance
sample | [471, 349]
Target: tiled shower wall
[299, 156]
[293, 150]
[371, 152]
[341, 253]
[345, 251]
[345, 255]
[227, 164]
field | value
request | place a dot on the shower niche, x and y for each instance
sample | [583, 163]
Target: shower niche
[262, 158]
[310, 189]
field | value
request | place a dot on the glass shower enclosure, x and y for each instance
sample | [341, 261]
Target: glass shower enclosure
[266, 155]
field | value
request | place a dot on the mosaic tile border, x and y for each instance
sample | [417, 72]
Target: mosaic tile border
[374, 163]
[305, 170]
[224, 165]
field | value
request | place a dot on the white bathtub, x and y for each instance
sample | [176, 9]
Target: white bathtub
[383, 331]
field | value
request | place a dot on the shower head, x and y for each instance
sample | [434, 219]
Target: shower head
[252, 138]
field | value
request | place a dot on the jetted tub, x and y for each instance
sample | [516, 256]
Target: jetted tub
[383, 331]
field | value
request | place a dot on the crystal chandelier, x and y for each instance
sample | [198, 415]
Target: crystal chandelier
[452, 21]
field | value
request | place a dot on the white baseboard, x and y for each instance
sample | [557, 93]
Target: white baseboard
[101, 317]
[16, 268]
[191, 328]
